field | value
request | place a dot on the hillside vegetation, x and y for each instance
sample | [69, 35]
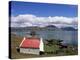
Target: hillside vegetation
[52, 48]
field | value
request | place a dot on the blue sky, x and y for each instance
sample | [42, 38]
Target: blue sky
[42, 14]
[45, 10]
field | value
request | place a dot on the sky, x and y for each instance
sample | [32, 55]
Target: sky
[41, 14]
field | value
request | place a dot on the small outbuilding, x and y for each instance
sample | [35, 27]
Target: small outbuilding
[32, 45]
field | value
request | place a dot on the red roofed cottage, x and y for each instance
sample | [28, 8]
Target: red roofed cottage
[31, 45]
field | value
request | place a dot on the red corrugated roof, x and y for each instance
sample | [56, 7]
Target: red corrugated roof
[30, 43]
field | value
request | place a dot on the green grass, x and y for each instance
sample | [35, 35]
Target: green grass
[50, 50]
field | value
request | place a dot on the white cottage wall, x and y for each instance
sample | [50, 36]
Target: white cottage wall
[41, 45]
[29, 51]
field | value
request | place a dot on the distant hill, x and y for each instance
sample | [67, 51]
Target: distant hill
[68, 28]
[49, 27]
[24, 28]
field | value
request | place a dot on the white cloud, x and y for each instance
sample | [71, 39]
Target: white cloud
[32, 20]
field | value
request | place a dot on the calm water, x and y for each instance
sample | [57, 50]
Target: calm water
[70, 37]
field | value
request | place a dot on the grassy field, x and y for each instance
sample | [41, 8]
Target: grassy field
[51, 49]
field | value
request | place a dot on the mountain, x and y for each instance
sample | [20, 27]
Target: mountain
[68, 28]
[51, 26]
[24, 28]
